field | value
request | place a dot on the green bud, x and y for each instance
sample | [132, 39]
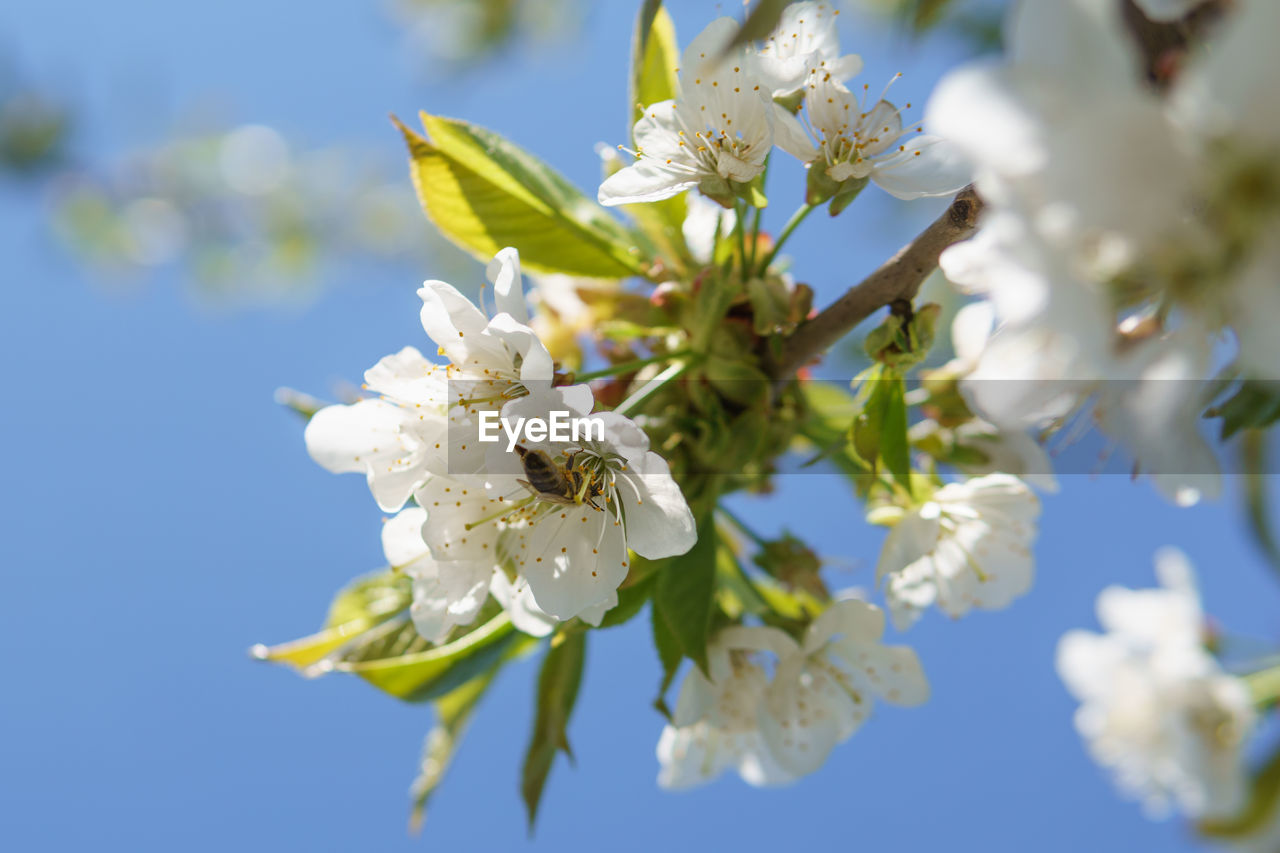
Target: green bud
[818, 186]
[848, 191]
[905, 337]
[751, 192]
[718, 190]
[771, 308]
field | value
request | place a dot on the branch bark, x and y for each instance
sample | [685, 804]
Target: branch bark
[898, 278]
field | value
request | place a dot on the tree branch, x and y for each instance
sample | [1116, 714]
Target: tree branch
[899, 278]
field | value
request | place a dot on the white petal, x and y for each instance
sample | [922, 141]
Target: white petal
[658, 519]
[909, 540]
[856, 621]
[517, 600]
[706, 48]
[927, 167]
[790, 136]
[979, 109]
[508, 290]
[643, 181]
[408, 378]
[574, 559]
[536, 365]
[448, 316]
[402, 542]
[367, 436]
[804, 716]
[971, 329]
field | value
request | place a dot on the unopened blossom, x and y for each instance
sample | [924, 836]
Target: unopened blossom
[720, 128]
[775, 730]
[1156, 708]
[422, 423]
[805, 42]
[968, 545]
[855, 140]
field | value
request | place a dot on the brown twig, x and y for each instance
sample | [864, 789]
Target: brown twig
[898, 278]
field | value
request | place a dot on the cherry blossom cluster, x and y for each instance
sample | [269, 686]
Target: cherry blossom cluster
[475, 529]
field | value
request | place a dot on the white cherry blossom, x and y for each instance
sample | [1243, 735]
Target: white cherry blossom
[968, 545]
[422, 424]
[773, 731]
[572, 556]
[857, 140]
[805, 42]
[719, 129]
[1156, 707]
[822, 689]
[714, 727]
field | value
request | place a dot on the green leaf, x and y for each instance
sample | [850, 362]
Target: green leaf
[1255, 405]
[557, 691]
[879, 434]
[655, 55]
[425, 675]
[484, 194]
[453, 715]
[895, 448]
[631, 599]
[1264, 799]
[364, 604]
[685, 595]
[377, 594]
[927, 13]
[303, 405]
[669, 654]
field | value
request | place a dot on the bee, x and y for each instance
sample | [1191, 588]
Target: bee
[567, 486]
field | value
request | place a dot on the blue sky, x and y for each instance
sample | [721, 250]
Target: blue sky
[162, 514]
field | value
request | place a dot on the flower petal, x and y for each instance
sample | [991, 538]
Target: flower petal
[643, 181]
[508, 289]
[926, 167]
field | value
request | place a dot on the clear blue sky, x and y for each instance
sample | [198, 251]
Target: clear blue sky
[161, 515]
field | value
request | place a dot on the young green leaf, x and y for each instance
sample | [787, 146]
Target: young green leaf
[557, 691]
[895, 448]
[655, 54]
[484, 194]
[453, 714]
[1264, 800]
[685, 595]
[1254, 406]
[427, 674]
[364, 604]
[669, 655]
[631, 599]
